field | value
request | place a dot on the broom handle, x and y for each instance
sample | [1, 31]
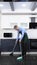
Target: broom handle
[14, 46]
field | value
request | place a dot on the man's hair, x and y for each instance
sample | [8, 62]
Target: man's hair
[15, 26]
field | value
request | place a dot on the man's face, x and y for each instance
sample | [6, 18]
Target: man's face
[16, 28]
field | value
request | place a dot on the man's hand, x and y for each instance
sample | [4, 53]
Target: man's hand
[19, 41]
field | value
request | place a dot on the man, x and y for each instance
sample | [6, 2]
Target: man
[23, 40]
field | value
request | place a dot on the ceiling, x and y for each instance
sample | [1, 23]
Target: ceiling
[18, 6]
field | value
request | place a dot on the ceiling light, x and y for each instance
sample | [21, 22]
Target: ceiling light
[23, 5]
[1, 5]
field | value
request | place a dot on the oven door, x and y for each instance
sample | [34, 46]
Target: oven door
[33, 44]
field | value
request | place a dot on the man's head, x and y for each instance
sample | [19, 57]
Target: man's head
[16, 27]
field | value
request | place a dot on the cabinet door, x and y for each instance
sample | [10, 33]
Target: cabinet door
[8, 44]
[7, 0]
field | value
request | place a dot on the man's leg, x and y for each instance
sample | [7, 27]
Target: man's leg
[24, 45]
[23, 53]
[23, 49]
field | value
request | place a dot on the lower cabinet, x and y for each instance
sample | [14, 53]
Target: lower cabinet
[8, 44]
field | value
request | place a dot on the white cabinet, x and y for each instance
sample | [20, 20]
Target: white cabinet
[8, 21]
[32, 33]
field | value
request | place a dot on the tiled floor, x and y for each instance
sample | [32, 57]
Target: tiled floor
[11, 60]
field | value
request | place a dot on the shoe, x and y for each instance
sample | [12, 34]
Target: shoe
[20, 58]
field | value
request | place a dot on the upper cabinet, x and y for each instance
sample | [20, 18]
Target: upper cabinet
[8, 21]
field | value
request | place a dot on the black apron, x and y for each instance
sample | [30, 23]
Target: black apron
[24, 43]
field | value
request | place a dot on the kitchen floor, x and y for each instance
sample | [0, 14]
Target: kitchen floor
[11, 60]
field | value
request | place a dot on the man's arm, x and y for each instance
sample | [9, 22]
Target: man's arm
[17, 37]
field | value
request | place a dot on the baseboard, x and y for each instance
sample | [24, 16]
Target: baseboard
[8, 53]
[17, 53]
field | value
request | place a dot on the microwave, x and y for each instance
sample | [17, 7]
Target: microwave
[32, 25]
